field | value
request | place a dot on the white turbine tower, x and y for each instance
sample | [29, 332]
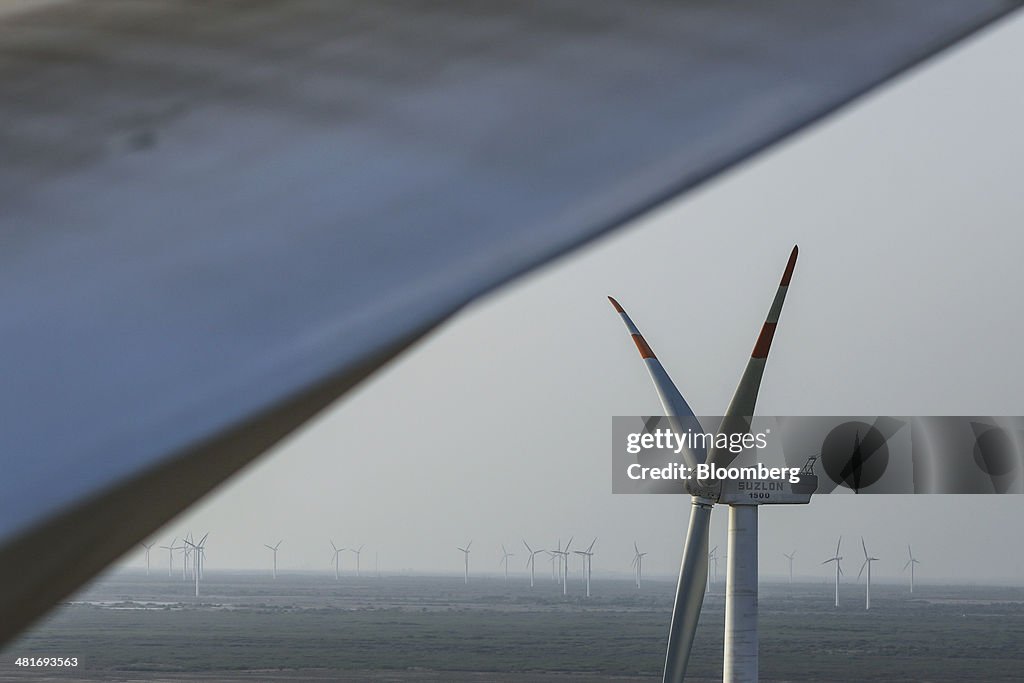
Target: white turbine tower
[910, 563]
[588, 563]
[147, 546]
[637, 564]
[358, 551]
[465, 553]
[790, 557]
[273, 549]
[741, 639]
[170, 555]
[837, 558]
[336, 560]
[867, 563]
[531, 561]
[504, 560]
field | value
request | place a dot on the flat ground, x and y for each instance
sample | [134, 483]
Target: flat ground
[310, 627]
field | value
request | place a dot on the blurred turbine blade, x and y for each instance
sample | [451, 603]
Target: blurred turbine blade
[693, 577]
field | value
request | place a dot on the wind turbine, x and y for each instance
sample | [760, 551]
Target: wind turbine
[337, 561]
[186, 549]
[790, 556]
[531, 561]
[273, 549]
[712, 560]
[638, 564]
[147, 546]
[588, 562]
[170, 554]
[867, 563]
[201, 560]
[197, 554]
[358, 551]
[465, 553]
[504, 560]
[741, 641]
[565, 564]
[837, 558]
[556, 557]
[910, 563]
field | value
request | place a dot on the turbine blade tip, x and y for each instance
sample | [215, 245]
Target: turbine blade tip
[790, 265]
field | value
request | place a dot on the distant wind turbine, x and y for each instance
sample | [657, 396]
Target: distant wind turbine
[712, 560]
[201, 560]
[186, 549]
[839, 570]
[465, 553]
[273, 549]
[531, 561]
[790, 557]
[170, 555]
[638, 564]
[337, 561]
[867, 563]
[505, 560]
[910, 563]
[197, 555]
[588, 562]
[565, 561]
[147, 546]
[358, 551]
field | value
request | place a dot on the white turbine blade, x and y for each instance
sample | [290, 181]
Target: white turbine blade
[527, 546]
[591, 546]
[864, 546]
[838, 543]
[636, 548]
[693, 578]
[468, 546]
[741, 408]
[679, 413]
[862, 569]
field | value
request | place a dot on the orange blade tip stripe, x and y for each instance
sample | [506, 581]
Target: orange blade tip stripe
[641, 345]
[764, 341]
[615, 303]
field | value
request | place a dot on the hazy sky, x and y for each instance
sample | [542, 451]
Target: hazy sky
[908, 210]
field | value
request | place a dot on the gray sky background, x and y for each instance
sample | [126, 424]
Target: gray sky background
[906, 300]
